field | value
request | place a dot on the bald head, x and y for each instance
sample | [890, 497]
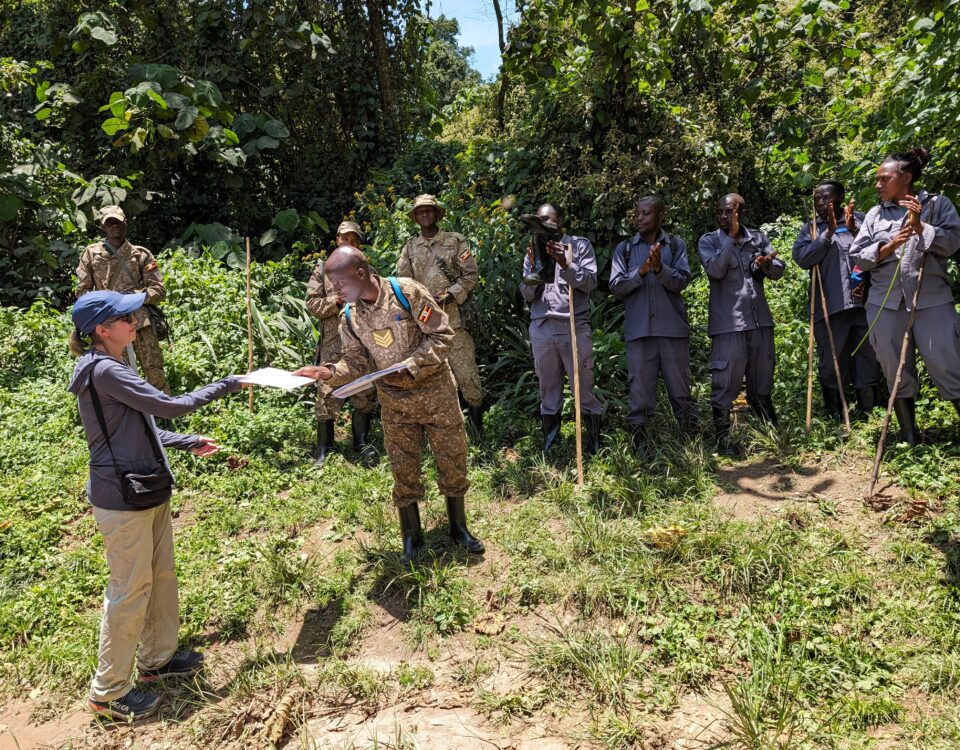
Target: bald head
[349, 272]
[346, 258]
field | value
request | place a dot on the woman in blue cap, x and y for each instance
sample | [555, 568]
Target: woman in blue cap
[117, 408]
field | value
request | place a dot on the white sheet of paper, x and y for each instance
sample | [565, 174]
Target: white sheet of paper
[275, 378]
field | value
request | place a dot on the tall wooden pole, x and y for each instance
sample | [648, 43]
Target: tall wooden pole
[576, 376]
[833, 348]
[813, 293]
[249, 325]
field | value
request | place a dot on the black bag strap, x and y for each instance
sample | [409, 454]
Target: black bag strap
[98, 409]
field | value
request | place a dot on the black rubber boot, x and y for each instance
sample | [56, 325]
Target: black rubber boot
[324, 441]
[551, 430]
[360, 426]
[476, 417]
[762, 407]
[866, 400]
[412, 532]
[906, 411]
[457, 514]
[721, 426]
[592, 423]
[831, 402]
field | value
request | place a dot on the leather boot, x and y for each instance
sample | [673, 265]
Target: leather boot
[592, 446]
[762, 407]
[412, 532]
[551, 430]
[324, 441]
[906, 411]
[360, 426]
[721, 426]
[831, 402]
[457, 515]
[476, 417]
[866, 400]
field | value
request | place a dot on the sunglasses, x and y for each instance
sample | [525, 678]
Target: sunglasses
[128, 318]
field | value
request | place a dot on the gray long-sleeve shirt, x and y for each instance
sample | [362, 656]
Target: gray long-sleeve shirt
[939, 240]
[124, 397]
[832, 255]
[654, 306]
[737, 299]
[552, 300]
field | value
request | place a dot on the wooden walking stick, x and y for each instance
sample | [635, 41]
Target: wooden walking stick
[813, 291]
[249, 325]
[904, 348]
[576, 375]
[833, 348]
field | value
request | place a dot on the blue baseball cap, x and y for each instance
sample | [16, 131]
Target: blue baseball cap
[94, 308]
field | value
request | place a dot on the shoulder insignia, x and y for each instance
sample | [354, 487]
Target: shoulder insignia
[425, 312]
[151, 266]
[383, 338]
[465, 254]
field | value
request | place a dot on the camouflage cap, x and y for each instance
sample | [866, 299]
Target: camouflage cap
[349, 226]
[111, 212]
[427, 200]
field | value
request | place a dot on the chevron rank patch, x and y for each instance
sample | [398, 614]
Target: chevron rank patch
[425, 313]
[151, 266]
[465, 254]
[383, 338]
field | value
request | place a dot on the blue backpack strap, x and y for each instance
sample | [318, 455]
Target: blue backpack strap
[398, 293]
[346, 311]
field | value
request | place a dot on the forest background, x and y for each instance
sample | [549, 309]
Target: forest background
[213, 121]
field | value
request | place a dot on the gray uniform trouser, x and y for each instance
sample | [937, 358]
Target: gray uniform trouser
[740, 353]
[553, 358]
[653, 356]
[861, 369]
[936, 333]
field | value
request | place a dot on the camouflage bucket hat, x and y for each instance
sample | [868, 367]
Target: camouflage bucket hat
[349, 226]
[427, 200]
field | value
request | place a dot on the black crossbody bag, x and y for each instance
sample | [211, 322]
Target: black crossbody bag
[139, 490]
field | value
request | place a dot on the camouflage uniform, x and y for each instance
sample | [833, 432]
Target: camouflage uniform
[131, 268]
[421, 400]
[444, 263]
[322, 304]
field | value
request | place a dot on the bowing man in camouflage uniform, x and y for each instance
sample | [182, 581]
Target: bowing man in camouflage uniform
[444, 264]
[393, 322]
[324, 303]
[117, 266]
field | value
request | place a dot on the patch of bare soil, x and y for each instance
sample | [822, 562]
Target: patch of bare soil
[698, 722]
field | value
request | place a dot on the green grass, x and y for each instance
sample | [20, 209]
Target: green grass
[818, 625]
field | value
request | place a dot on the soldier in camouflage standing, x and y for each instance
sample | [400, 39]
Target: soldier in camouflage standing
[397, 321]
[444, 264]
[324, 303]
[115, 265]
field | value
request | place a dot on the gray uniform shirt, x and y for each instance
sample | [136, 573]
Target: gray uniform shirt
[939, 240]
[654, 306]
[832, 255]
[552, 300]
[124, 396]
[737, 299]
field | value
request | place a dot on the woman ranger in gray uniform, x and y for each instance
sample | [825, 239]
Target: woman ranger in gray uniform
[908, 231]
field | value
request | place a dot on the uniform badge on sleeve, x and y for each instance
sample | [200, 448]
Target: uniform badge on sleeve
[465, 254]
[151, 266]
[425, 313]
[383, 338]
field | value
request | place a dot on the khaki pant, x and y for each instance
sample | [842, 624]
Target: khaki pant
[141, 602]
[150, 358]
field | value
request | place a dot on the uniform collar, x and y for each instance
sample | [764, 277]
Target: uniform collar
[438, 237]
[923, 196]
[662, 238]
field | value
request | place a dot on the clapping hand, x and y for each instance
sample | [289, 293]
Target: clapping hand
[849, 219]
[914, 208]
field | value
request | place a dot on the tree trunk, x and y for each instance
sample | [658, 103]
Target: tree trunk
[504, 77]
[388, 96]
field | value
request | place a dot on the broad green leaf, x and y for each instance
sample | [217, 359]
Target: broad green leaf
[9, 206]
[276, 129]
[287, 220]
[186, 118]
[113, 125]
[265, 141]
[105, 35]
[267, 237]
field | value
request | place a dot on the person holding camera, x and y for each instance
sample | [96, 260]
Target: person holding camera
[129, 487]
